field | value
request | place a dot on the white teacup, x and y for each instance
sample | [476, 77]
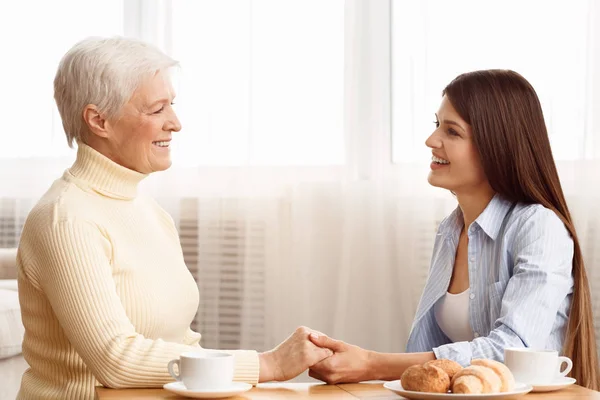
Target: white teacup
[203, 370]
[536, 366]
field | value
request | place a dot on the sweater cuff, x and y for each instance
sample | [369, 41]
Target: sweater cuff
[459, 352]
[247, 366]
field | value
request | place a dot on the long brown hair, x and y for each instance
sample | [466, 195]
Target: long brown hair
[510, 135]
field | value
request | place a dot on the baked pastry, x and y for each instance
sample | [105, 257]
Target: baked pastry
[425, 378]
[439, 376]
[450, 367]
[468, 384]
[476, 379]
[506, 377]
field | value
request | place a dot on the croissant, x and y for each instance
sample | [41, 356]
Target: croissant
[425, 378]
[476, 379]
[450, 367]
[439, 376]
[506, 377]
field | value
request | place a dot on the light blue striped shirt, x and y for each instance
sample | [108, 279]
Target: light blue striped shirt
[520, 261]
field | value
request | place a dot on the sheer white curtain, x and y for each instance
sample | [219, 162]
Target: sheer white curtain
[307, 135]
[287, 144]
[299, 178]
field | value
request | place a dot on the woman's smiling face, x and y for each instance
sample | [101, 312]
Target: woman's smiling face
[455, 165]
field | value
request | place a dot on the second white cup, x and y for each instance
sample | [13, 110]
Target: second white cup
[203, 370]
[536, 366]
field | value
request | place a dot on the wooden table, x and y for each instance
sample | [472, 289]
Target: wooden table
[353, 391]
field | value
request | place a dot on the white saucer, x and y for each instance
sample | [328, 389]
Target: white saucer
[231, 390]
[396, 387]
[560, 383]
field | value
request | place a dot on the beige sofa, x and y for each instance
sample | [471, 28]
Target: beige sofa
[12, 363]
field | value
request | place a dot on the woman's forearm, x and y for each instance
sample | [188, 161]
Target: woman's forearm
[390, 366]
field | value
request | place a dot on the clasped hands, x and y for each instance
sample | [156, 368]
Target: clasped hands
[329, 360]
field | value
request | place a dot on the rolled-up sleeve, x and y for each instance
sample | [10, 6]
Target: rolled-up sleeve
[542, 253]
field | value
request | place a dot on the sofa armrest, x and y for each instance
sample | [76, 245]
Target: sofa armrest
[11, 326]
[8, 263]
[8, 284]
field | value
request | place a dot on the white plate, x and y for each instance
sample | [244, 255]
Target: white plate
[550, 387]
[231, 390]
[396, 387]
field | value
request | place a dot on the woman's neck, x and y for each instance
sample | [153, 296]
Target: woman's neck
[473, 202]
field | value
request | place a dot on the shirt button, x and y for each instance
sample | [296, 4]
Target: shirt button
[472, 296]
[475, 334]
[472, 259]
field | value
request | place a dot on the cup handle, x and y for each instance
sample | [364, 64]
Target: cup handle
[561, 361]
[177, 377]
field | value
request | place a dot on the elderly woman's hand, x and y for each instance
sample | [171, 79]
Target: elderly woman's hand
[292, 357]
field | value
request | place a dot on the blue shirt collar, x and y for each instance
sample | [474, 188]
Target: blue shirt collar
[490, 220]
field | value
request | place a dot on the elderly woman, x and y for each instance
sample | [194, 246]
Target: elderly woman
[105, 294]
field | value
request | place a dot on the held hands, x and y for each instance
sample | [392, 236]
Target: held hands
[329, 360]
[348, 364]
[292, 357]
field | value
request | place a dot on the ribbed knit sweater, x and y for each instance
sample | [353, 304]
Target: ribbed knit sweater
[105, 294]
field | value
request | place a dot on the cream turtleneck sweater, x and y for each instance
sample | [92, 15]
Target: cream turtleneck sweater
[105, 294]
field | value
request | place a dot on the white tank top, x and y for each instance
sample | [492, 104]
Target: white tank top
[452, 316]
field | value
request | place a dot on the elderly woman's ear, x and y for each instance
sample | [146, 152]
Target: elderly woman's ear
[95, 121]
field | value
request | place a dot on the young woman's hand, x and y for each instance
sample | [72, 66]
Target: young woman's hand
[348, 364]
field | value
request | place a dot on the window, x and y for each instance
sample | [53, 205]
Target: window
[433, 41]
[261, 82]
[35, 35]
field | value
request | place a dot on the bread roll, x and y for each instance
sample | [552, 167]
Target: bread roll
[486, 380]
[450, 367]
[425, 378]
[506, 377]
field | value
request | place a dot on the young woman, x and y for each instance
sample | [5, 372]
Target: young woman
[507, 269]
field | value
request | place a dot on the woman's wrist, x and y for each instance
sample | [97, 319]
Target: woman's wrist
[390, 366]
[373, 366]
[379, 365]
[267, 366]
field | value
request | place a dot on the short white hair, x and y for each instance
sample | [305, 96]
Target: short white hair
[104, 72]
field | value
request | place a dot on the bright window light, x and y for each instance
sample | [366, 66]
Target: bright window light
[261, 82]
[435, 40]
[33, 42]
